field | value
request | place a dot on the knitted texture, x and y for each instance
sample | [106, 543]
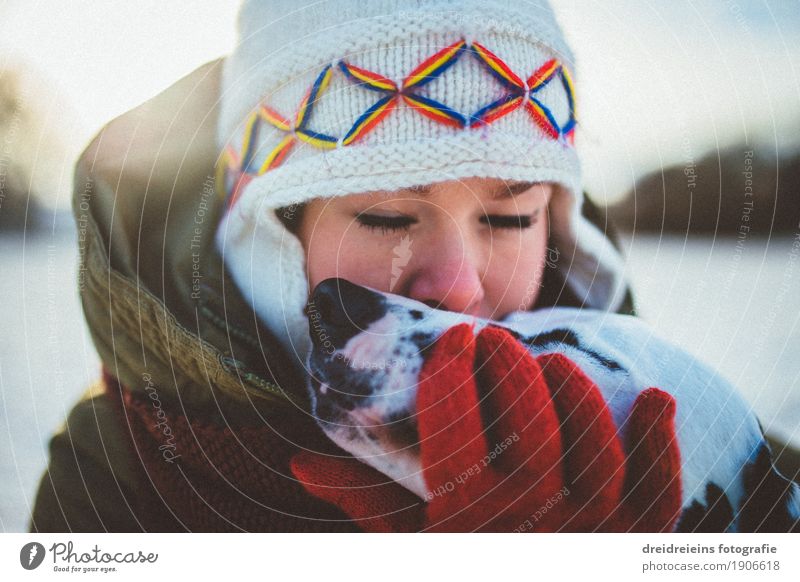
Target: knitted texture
[327, 98]
[211, 478]
[237, 166]
[374, 502]
[510, 442]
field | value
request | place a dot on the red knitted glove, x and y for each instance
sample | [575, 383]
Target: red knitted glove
[509, 442]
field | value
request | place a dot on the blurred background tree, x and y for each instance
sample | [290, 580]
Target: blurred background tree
[18, 209]
[711, 196]
[35, 169]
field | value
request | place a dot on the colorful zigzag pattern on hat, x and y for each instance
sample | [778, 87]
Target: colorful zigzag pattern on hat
[236, 168]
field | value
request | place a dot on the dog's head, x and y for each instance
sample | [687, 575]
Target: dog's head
[368, 349]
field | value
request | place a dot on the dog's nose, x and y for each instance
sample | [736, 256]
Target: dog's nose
[339, 309]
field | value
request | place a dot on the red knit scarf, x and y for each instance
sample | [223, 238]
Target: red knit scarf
[200, 476]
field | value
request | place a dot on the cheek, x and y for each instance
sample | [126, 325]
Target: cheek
[348, 251]
[514, 273]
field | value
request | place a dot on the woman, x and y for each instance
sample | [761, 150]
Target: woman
[444, 126]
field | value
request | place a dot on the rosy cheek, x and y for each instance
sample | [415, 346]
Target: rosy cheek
[513, 277]
[355, 254]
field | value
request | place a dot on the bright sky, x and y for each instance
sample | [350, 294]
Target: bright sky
[657, 81]
[663, 82]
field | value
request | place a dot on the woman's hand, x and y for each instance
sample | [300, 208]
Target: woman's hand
[509, 442]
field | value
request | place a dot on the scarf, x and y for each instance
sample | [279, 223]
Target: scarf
[200, 476]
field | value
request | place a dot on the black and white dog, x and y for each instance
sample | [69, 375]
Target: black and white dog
[369, 348]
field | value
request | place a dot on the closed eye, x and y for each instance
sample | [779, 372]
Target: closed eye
[510, 221]
[385, 223]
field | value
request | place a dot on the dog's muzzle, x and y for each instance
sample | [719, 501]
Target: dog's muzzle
[339, 309]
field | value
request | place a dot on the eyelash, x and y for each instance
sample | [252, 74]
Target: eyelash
[388, 224]
[385, 223]
[507, 221]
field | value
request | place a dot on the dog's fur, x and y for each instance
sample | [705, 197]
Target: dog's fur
[369, 348]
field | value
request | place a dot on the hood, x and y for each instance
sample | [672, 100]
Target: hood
[160, 308]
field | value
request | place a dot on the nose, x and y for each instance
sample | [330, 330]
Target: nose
[338, 309]
[449, 278]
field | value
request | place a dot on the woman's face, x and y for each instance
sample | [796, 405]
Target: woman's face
[475, 246]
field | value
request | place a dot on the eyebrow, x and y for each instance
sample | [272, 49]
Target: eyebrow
[506, 190]
[510, 190]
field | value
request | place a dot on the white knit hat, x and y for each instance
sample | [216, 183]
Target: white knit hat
[327, 98]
